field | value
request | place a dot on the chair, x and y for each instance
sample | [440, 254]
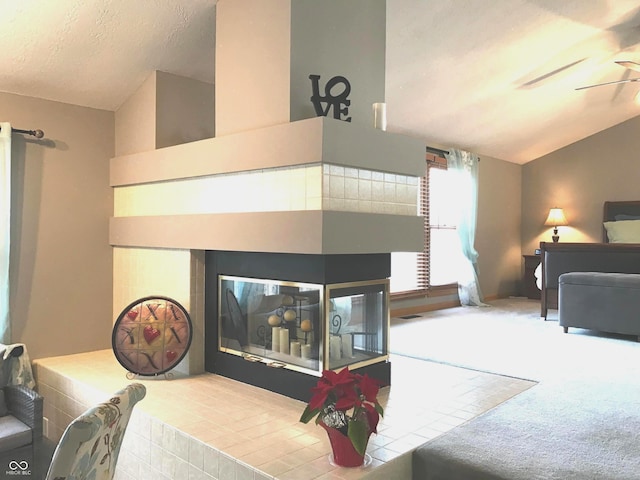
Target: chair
[20, 406]
[21, 417]
[90, 445]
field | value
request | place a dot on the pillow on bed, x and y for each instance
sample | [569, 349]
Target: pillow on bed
[627, 231]
[624, 216]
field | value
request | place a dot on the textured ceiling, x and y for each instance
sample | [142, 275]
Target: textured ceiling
[496, 77]
[96, 53]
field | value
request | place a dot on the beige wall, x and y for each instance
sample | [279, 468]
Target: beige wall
[498, 228]
[61, 261]
[185, 110]
[514, 200]
[580, 178]
[165, 110]
[252, 64]
[135, 120]
[334, 37]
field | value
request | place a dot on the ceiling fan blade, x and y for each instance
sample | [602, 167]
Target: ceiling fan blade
[628, 64]
[629, 80]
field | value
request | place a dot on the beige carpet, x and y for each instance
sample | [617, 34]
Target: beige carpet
[510, 338]
[582, 421]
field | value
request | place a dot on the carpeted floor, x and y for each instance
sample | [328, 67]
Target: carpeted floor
[509, 338]
[571, 431]
[582, 421]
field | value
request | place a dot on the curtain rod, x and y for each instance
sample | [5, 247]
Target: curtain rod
[35, 133]
[437, 151]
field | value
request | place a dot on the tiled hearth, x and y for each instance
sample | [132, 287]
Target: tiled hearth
[206, 427]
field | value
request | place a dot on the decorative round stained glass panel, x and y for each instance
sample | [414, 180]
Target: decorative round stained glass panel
[151, 335]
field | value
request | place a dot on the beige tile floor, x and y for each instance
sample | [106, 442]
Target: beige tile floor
[232, 430]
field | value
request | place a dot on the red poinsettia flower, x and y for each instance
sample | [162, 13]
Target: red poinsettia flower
[348, 399]
[369, 388]
[353, 394]
[343, 377]
[373, 417]
[340, 384]
[321, 392]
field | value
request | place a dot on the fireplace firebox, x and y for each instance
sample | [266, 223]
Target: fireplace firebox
[278, 320]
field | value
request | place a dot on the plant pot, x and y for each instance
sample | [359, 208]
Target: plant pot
[344, 454]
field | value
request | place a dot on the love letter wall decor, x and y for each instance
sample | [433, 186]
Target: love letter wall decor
[338, 101]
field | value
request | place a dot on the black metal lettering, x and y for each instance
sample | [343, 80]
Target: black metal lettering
[339, 102]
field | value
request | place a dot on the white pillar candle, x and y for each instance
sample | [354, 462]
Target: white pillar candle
[275, 339]
[284, 340]
[335, 344]
[306, 351]
[380, 116]
[346, 346]
[295, 349]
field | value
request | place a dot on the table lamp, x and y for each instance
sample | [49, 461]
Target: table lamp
[556, 219]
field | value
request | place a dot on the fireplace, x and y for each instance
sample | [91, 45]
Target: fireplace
[325, 198]
[278, 320]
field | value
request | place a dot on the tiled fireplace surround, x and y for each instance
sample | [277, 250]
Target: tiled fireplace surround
[203, 426]
[200, 425]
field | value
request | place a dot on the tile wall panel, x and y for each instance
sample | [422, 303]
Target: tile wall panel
[314, 187]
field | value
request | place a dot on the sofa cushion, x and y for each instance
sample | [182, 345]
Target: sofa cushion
[13, 433]
[601, 279]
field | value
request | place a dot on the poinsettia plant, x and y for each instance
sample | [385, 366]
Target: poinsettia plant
[348, 402]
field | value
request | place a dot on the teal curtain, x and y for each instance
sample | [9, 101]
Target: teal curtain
[5, 215]
[463, 166]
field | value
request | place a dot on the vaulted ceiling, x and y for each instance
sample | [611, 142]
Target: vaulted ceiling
[497, 77]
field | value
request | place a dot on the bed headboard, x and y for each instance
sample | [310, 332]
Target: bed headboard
[611, 209]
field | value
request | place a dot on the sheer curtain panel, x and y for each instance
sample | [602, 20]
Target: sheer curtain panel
[5, 217]
[464, 167]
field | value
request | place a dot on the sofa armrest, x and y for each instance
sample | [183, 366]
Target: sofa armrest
[26, 405]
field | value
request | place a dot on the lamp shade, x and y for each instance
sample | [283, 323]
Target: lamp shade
[556, 218]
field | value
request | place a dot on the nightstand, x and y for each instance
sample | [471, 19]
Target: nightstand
[529, 287]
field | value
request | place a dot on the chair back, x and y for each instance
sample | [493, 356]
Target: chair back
[90, 445]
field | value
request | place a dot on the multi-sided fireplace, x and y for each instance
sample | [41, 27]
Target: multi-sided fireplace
[278, 320]
[326, 197]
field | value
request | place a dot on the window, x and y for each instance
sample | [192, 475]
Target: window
[437, 264]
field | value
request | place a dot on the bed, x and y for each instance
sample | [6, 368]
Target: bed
[619, 251]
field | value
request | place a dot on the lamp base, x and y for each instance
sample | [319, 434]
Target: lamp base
[555, 237]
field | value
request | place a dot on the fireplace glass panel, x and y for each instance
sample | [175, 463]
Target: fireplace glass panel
[301, 326]
[271, 321]
[357, 323]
